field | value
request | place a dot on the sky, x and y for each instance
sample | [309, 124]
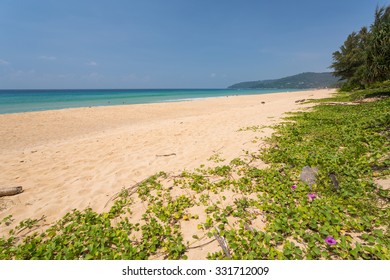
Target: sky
[77, 44]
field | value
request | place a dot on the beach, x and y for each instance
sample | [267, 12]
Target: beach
[78, 158]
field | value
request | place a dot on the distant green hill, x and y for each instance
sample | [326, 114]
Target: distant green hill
[301, 81]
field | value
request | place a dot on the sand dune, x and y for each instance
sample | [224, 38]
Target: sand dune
[78, 158]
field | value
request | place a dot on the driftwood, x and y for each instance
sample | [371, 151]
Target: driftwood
[167, 155]
[335, 183]
[11, 191]
[222, 242]
[341, 103]
[304, 100]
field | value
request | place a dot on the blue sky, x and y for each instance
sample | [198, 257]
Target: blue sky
[170, 43]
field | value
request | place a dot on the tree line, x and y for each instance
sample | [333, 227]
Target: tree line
[364, 58]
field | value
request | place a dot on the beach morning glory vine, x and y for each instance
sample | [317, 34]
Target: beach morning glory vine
[330, 240]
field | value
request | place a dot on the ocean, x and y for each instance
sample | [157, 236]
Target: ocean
[16, 101]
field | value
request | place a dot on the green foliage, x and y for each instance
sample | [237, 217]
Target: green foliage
[350, 62]
[350, 141]
[378, 52]
[300, 81]
[89, 235]
[364, 58]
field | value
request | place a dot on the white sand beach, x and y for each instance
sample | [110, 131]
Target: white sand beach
[78, 158]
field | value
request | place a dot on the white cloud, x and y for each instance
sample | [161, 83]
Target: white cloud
[92, 63]
[3, 62]
[213, 75]
[47, 57]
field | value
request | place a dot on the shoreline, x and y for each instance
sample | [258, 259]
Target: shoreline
[21, 101]
[78, 158]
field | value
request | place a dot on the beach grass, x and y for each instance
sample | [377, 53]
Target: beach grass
[236, 210]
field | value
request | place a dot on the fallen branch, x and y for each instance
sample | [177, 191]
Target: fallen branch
[222, 242]
[131, 190]
[11, 191]
[202, 245]
[341, 103]
[248, 227]
[167, 155]
[334, 181]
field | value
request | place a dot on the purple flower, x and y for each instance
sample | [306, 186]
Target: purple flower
[311, 196]
[293, 187]
[330, 240]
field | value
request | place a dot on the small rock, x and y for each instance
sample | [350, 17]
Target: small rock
[308, 175]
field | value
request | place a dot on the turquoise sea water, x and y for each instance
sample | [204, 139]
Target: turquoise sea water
[15, 101]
